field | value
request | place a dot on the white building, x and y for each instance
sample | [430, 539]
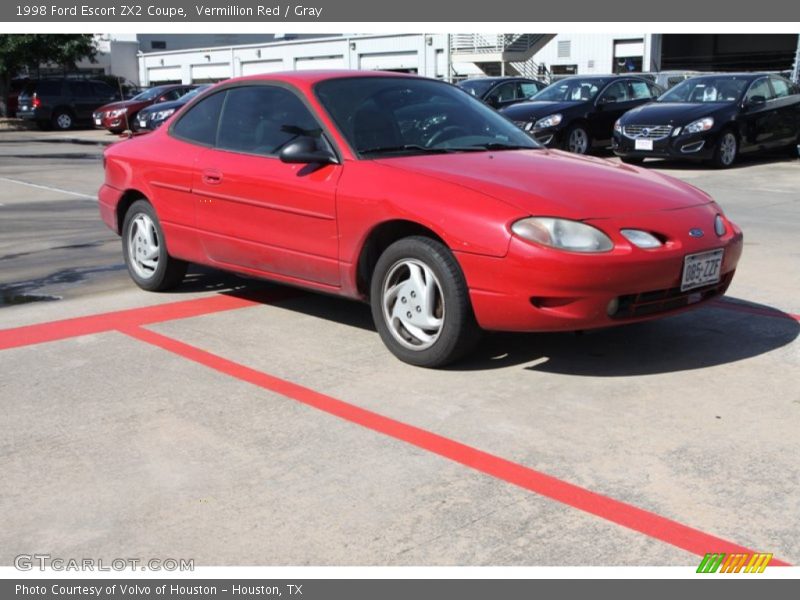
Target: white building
[425, 54]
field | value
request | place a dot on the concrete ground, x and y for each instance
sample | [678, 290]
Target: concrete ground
[244, 423]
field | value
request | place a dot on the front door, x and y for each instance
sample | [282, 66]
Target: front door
[259, 214]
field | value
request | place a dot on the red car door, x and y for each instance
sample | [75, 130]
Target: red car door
[256, 213]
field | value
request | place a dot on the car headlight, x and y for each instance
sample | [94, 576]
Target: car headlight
[719, 226]
[163, 114]
[641, 239]
[548, 121]
[617, 126]
[117, 113]
[699, 125]
[562, 234]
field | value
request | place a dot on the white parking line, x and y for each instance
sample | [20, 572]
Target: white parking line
[49, 188]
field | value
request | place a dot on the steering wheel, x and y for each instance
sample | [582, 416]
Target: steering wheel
[446, 133]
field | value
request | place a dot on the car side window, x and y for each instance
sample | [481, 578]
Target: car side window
[640, 90]
[80, 88]
[201, 122]
[170, 96]
[502, 93]
[781, 88]
[616, 92]
[101, 89]
[263, 119]
[759, 90]
[528, 89]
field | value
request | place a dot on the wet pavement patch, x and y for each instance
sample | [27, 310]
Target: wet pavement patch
[11, 299]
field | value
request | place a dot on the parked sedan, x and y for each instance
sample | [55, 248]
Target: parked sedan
[714, 118]
[154, 115]
[578, 113]
[499, 92]
[119, 116]
[409, 194]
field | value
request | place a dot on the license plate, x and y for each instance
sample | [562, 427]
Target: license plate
[98, 122]
[142, 123]
[644, 144]
[701, 269]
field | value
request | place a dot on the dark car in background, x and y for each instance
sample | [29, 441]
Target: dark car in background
[119, 116]
[578, 113]
[714, 118]
[62, 103]
[499, 92]
[154, 115]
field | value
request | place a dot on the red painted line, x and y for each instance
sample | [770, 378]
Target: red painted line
[621, 513]
[754, 310]
[68, 328]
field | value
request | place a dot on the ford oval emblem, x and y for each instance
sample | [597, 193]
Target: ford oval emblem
[696, 232]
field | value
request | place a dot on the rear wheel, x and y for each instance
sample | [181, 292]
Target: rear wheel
[145, 250]
[63, 120]
[420, 303]
[726, 150]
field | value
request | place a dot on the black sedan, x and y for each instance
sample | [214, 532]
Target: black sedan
[714, 118]
[499, 92]
[578, 113]
[153, 116]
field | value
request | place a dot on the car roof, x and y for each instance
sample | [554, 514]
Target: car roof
[315, 76]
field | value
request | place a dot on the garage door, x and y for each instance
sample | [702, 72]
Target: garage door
[388, 61]
[262, 66]
[155, 74]
[213, 72]
[327, 62]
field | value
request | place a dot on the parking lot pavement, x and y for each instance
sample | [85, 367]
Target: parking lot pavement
[248, 423]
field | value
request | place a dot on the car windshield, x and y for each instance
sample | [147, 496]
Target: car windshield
[149, 94]
[707, 89]
[384, 116]
[476, 87]
[570, 90]
[192, 93]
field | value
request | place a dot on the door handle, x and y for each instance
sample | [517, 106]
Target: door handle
[212, 177]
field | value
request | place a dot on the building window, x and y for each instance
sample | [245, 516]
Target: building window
[158, 45]
[564, 48]
[564, 69]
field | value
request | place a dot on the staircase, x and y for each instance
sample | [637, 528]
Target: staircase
[500, 54]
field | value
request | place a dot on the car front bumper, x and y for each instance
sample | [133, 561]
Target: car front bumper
[534, 288]
[695, 146]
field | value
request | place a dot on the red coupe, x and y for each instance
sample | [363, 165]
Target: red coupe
[408, 193]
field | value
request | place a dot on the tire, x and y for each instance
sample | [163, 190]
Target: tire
[438, 326]
[145, 251]
[63, 120]
[577, 140]
[726, 150]
[632, 160]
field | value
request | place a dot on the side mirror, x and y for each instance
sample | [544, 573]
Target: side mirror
[304, 150]
[756, 100]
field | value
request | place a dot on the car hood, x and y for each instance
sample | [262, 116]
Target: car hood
[119, 105]
[556, 183]
[537, 109]
[671, 113]
[176, 104]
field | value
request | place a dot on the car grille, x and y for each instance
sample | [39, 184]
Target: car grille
[647, 132]
[521, 124]
[660, 301]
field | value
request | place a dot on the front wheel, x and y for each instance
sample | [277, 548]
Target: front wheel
[420, 303]
[145, 250]
[62, 120]
[726, 150]
[577, 140]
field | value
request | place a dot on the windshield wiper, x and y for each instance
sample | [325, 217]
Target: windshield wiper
[403, 148]
[497, 146]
